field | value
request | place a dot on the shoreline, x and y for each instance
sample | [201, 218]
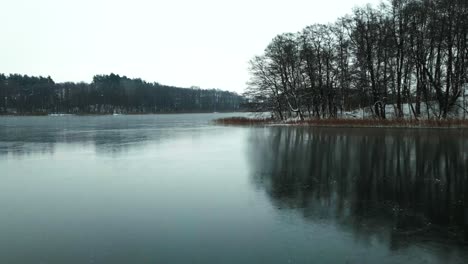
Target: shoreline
[109, 114]
[349, 123]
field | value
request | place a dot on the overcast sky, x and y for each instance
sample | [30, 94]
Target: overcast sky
[205, 43]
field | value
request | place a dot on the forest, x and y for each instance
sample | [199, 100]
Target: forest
[411, 53]
[107, 94]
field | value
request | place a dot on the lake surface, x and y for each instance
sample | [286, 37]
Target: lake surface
[178, 189]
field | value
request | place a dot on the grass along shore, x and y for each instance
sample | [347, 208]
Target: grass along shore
[344, 122]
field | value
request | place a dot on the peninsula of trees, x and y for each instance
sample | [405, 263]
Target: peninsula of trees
[403, 53]
[107, 94]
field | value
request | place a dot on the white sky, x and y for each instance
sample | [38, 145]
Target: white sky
[205, 43]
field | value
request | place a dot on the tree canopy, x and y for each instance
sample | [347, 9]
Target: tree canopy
[401, 52]
[108, 94]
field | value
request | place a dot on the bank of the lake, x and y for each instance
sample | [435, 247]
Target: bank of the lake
[343, 122]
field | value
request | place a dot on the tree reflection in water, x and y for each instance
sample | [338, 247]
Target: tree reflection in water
[401, 185]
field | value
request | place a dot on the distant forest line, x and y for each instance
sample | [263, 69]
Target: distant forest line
[107, 94]
[402, 52]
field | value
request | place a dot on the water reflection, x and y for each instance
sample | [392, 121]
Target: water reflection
[21, 136]
[402, 186]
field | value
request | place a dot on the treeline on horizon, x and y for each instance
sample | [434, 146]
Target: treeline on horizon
[411, 52]
[107, 94]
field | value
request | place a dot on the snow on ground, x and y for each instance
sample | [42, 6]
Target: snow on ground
[428, 110]
[431, 110]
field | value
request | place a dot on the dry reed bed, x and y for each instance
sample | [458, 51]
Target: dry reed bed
[337, 122]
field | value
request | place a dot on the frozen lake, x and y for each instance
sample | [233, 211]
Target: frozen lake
[178, 189]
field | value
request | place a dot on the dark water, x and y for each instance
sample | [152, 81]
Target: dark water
[177, 189]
